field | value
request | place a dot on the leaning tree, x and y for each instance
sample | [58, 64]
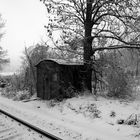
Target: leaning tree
[100, 24]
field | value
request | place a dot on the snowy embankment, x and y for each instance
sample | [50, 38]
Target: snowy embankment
[80, 118]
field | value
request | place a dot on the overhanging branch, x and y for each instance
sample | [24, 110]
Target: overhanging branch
[115, 47]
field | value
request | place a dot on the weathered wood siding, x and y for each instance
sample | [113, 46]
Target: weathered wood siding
[52, 78]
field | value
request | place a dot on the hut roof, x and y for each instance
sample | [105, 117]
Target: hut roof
[62, 62]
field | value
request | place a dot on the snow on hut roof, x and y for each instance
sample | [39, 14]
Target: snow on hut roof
[64, 62]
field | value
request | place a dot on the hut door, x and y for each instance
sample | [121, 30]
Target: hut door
[51, 86]
[47, 88]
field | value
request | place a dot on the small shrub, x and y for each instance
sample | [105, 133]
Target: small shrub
[112, 114]
[88, 110]
[118, 84]
[11, 93]
[91, 111]
[8, 92]
[22, 95]
[70, 92]
[52, 103]
[67, 92]
[115, 77]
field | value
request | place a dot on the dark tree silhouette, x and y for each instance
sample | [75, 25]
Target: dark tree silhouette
[101, 24]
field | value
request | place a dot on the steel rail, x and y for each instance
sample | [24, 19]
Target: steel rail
[33, 127]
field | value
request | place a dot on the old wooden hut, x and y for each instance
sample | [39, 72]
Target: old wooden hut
[55, 76]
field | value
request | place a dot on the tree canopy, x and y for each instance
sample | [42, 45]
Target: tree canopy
[101, 24]
[107, 20]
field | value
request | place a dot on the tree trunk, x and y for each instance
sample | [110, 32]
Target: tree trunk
[87, 57]
[88, 46]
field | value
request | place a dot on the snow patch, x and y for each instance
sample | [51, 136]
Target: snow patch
[81, 118]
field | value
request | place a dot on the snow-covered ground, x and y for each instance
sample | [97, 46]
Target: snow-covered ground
[79, 118]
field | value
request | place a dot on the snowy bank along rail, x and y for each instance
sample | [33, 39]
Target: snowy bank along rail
[21, 123]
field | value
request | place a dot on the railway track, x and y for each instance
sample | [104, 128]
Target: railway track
[13, 128]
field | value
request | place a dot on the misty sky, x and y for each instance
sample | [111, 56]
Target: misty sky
[25, 20]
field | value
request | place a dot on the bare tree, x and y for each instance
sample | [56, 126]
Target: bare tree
[3, 53]
[32, 56]
[114, 21]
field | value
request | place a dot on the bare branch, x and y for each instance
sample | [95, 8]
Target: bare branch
[115, 47]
